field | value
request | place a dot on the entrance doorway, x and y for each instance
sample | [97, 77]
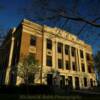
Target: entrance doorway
[49, 79]
[91, 82]
[77, 83]
[62, 81]
[70, 82]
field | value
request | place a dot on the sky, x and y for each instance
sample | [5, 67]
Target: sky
[12, 12]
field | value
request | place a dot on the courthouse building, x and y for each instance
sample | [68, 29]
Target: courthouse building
[54, 48]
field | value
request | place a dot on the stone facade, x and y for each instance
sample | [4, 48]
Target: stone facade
[54, 49]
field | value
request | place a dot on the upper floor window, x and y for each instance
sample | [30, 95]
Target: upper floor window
[67, 65]
[49, 44]
[89, 69]
[87, 56]
[49, 60]
[33, 40]
[60, 63]
[81, 53]
[66, 49]
[74, 66]
[73, 51]
[83, 67]
[59, 48]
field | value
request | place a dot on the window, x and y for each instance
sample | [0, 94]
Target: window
[67, 65]
[87, 56]
[49, 61]
[83, 67]
[73, 51]
[49, 44]
[74, 66]
[60, 45]
[60, 63]
[66, 49]
[33, 40]
[81, 53]
[85, 82]
[89, 69]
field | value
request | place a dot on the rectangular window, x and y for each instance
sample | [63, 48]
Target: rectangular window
[85, 82]
[66, 49]
[67, 65]
[81, 53]
[83, 67]
[49, 61]
[49, 44]
[89, 69]
[74, 66]
[60, 63]
[87, 56]
[33, 40]
[73, 51]
[60, 47]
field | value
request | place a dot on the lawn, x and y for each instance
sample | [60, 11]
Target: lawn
[44, 92]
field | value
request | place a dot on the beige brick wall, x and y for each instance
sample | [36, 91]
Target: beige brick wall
[25, 43]
[25, 46]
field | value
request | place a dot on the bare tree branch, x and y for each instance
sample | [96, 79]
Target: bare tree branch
[78, 18]
[81, 29]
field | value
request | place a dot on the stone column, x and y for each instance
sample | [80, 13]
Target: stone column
[7, 77]
[70, 58]
[44, 51]
[77, 56]
[56, 58]
[86, 68]
[81, 82]
[44, 59]
[54, 53]
[85, 63]
[79, 59]
[64, 57]
[73, 78]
